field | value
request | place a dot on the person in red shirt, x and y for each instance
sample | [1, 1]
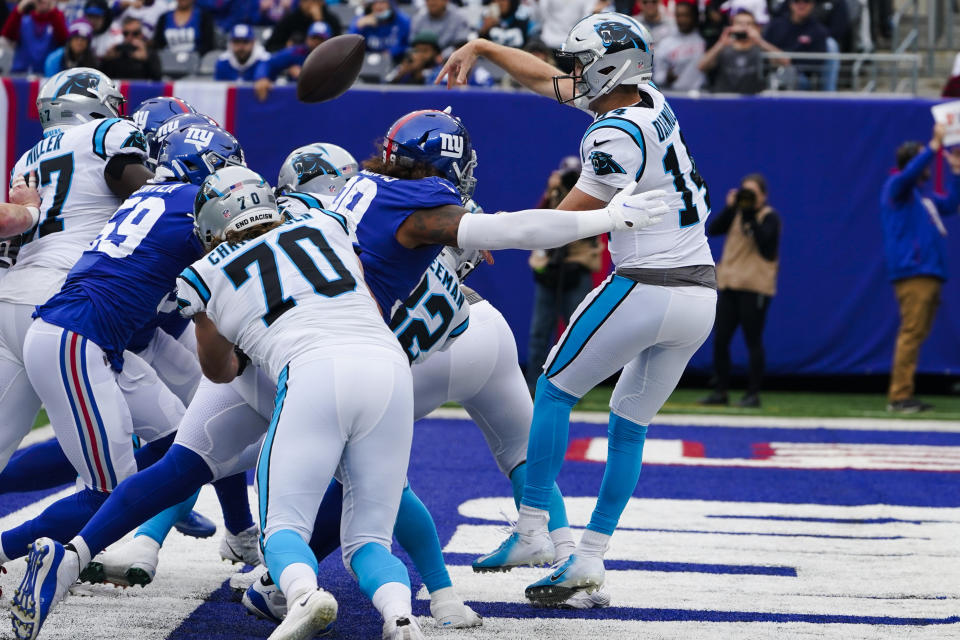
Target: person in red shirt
[36, 27]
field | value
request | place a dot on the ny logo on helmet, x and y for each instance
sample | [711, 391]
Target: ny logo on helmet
[81, 84]
[200, 138]
[140, 119]
[618, 36]
[451, 146]
[310, 165]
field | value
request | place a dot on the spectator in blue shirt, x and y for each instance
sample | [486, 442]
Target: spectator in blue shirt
[287, 61]
[915, 247]
[384, 28]
[227, 13]
[186, 28]
[240, 61]
[76, 53]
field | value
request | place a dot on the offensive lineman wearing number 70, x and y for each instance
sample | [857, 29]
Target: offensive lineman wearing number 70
[648, 318]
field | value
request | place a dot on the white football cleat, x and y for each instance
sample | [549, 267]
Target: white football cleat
[241, 580]
[132, 563]
[527, 548]
[599, 599]
[578, 573]
[242, 547]
[51, 570]
[402, 628]
[264, 599]
[450, 612]
[312, 613]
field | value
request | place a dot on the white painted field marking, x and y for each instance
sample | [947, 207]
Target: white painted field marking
[875, 560]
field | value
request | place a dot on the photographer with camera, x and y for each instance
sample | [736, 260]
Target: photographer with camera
[133, 58]
[562, 276]
[735, 62]
[746, 282]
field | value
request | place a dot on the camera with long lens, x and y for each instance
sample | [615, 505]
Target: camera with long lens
[746, 200]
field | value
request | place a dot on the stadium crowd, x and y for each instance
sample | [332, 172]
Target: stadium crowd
[715, 45]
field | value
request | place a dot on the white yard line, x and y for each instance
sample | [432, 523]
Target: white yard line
[701, 420]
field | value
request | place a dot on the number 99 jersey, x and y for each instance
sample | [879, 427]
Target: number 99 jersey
[69, 164]
[643, 142]
[295, 290]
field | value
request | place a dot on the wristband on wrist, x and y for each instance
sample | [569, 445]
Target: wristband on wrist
[34, 215]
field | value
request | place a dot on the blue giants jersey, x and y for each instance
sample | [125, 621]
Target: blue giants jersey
[378, 206]
[118, 284]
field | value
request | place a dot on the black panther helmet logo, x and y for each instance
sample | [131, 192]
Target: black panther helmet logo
[311, 165]
[604, 164]
[617, 36]
[81, 84]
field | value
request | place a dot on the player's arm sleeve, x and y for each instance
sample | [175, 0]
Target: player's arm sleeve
[613, 153]
[118, 137]
[193, 294]
[532, 229]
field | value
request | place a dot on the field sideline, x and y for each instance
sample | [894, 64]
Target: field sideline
[743, 526]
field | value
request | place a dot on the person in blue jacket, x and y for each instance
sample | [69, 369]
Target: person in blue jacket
[287, 61]
[240, 61]
[75, 53]
[383, 27]
[916, 254]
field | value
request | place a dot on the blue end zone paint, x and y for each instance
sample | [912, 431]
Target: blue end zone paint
[834, 520]
[451, 465]
[682, 567]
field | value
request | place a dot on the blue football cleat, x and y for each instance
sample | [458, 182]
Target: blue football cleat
[51, 570]
[196, 525]
[578, 573]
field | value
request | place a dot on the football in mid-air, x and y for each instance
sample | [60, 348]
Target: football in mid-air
[331, 68]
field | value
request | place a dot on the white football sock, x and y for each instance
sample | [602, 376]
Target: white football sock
[563, 543]
[593, 544]
[83, 551]
[392, 600]
[297, 579]
[532, 520]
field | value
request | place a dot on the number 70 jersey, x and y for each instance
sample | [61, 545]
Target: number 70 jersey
[292, 291]
[76, 201]
[643, 142]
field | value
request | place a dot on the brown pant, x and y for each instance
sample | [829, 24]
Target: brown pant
[919, 298]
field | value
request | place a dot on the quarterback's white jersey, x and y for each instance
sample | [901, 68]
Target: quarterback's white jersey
[435, 314]
[294, 290]
[76, 202]
[643, 142]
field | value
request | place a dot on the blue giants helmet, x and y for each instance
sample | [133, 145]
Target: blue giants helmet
[435, 138]
[195, 151]
[153, 112]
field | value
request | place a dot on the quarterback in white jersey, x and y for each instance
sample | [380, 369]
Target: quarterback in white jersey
[87, 162]
[344, 401]
[647, 319]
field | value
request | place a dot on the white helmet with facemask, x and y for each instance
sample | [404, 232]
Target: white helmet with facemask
[612, 49]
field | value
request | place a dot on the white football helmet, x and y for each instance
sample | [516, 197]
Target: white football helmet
[232, 199]
[612, 49]
[76, 96]
[320, 168]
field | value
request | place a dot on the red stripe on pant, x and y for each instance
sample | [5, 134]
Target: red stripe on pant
[87, 413]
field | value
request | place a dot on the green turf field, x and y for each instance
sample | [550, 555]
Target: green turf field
[789, 403]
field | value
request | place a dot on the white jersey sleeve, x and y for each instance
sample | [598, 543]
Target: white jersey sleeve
[435, 314]
[613, 154]
[193, 294]
[643, 142]
[75, 202]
